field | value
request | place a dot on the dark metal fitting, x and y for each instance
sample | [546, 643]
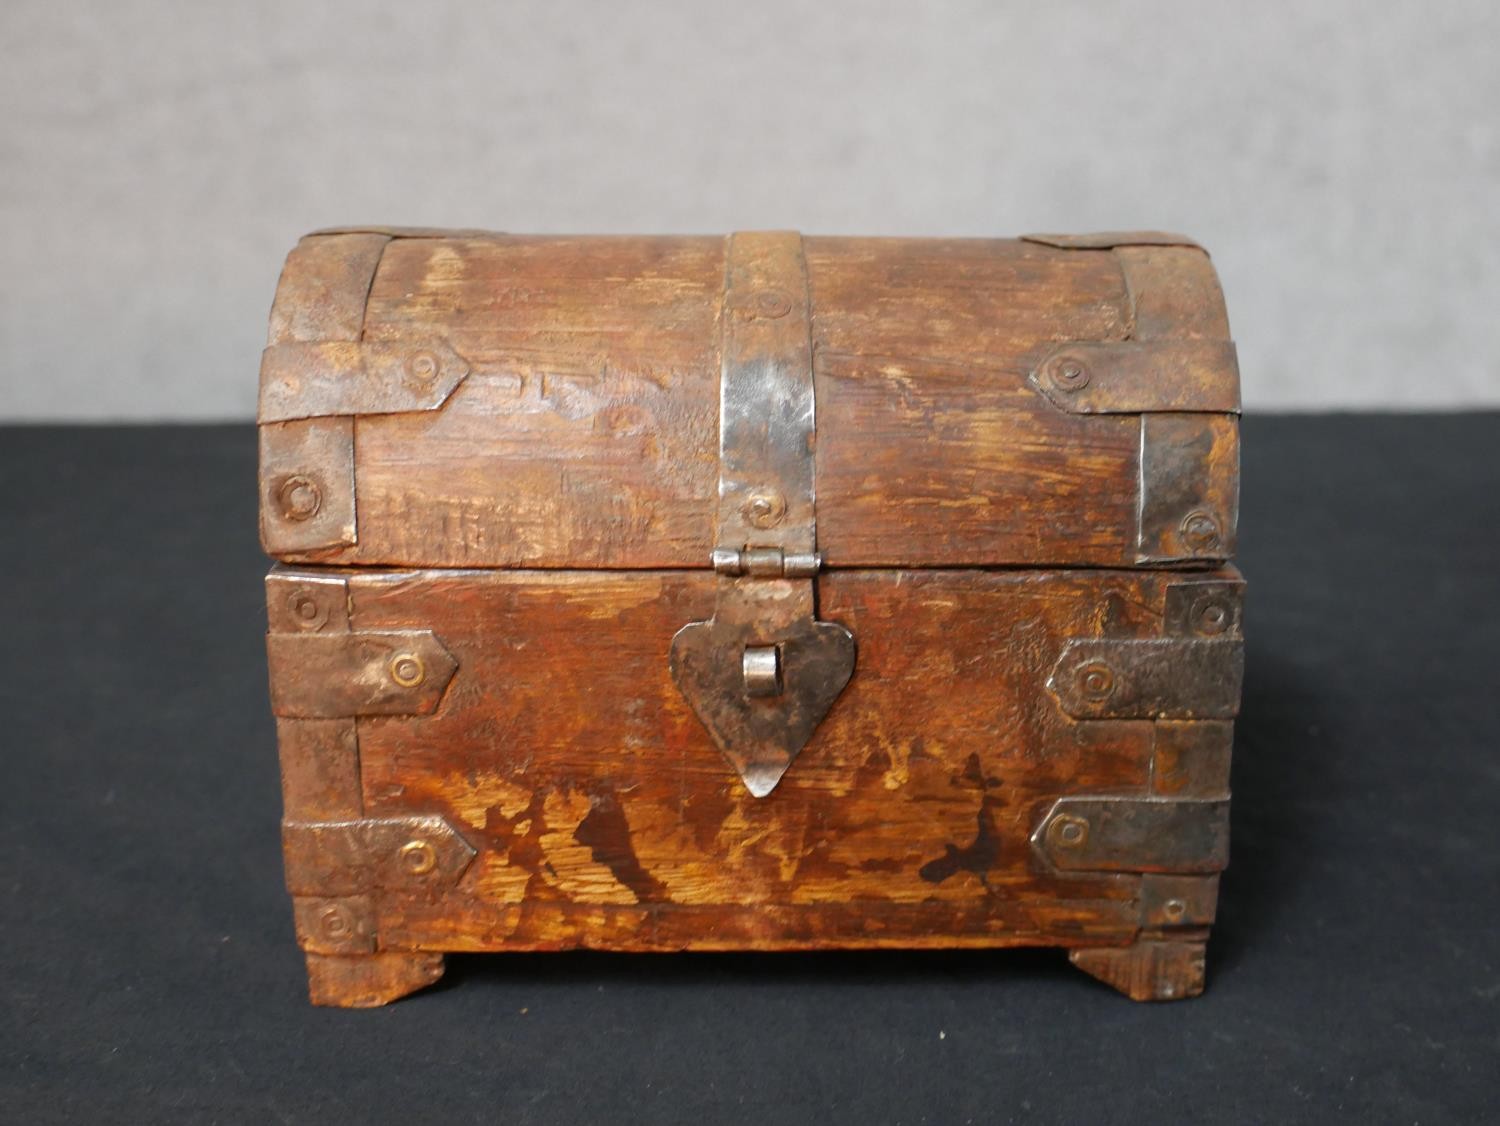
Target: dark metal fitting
[1068, 373]
[1199, 530]
[300, 497]
[761, 668]
[766, 562]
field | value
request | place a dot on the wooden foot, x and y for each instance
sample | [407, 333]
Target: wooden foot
[1153, 969]
[365, 981]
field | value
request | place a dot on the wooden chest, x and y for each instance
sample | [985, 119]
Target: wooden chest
[761, 592]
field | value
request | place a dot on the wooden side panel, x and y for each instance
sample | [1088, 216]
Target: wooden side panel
[603, 815]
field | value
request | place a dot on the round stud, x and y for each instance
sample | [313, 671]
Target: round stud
[299, 497]
[1211, 618]
[306, 610]
[1096, 681]
[1067, 831]
[407, 670]
[1174, 909]
[1199, 530]
[764, 510]
[422, 368]
[418, 857]
[336, 922]
[1068, 373]
[770, 304]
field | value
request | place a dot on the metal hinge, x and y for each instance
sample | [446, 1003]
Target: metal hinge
[766, 562]
[763, 671]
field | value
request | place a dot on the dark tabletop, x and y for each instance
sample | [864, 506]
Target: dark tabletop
[149, 972]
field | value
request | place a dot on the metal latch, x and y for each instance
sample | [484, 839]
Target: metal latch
[763, 671]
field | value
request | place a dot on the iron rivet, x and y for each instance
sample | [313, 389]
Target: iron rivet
[299, 497]
[336, 922]
[418, 857]
[764, 510]
[1174, 909]
[1068, 831]
[1096, 680]
[307, 611]
[1212, 618]
[1199, 530]
[770, 303]
[1069, 374]
[422, 367]
[407, 670]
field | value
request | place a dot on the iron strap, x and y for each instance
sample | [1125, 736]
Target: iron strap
[763, 672]
[767, 409]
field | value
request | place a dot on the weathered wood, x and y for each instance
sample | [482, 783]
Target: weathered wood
[492, 468]
[602, 814]
[365, 981]
[1150, 969]
[585, 431]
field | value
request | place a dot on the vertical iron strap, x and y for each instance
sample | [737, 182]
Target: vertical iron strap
[767, 409]
[763, 671]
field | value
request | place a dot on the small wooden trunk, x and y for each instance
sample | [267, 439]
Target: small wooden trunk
[760, 592]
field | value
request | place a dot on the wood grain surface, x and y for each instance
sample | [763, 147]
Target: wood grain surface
[585, 433]
[491, 466]
[602, 815]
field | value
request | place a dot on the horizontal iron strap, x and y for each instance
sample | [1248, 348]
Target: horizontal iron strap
[338, 858]
[1135, 834]
[1150, 678]
[328, 675]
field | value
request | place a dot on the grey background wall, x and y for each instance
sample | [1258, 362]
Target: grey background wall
[158, 158]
